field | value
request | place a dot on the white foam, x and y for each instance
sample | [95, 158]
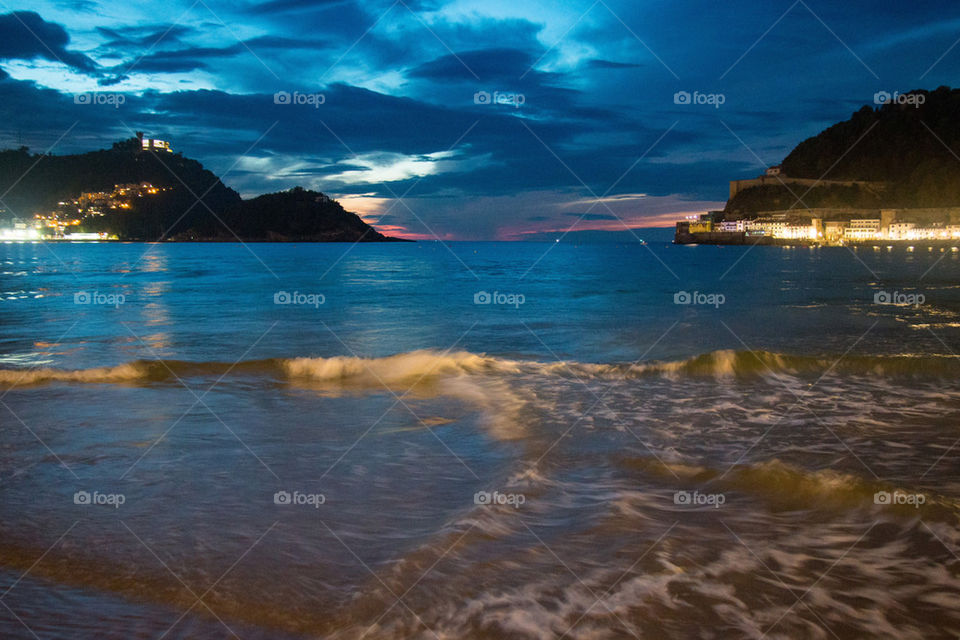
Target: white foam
[120, 373]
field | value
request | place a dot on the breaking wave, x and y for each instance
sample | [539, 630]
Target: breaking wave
[427, 366]
[787, 487]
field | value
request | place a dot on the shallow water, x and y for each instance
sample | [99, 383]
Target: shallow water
[596, 462]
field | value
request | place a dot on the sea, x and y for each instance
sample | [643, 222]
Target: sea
[479, 440]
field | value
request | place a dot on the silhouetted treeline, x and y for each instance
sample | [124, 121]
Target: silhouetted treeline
[773, 197]
[912, 147]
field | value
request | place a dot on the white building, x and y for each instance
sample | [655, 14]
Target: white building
[798, 232]
[863, 229]
[773, 227]
[733, 225]
[901, 231]
[152, 144]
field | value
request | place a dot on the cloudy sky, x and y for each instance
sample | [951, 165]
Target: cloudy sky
[467, 119]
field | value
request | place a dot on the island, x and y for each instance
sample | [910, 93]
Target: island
[141, 190]
[889, 174]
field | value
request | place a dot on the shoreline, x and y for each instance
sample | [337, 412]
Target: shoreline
[704, 239]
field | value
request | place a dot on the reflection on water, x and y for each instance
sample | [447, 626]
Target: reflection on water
[598, 463]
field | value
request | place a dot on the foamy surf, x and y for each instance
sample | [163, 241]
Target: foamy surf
[787, 487]
[127, 372]
[420, 366]
[410, 367]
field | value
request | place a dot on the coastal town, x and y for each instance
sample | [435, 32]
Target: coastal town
[65, 220]
[835, 226]
[62, 222]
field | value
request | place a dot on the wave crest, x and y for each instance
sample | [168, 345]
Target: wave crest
[127, 372]
[429, 365]
[402, 367]
[787, 487]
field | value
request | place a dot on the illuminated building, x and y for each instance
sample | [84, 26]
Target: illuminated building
[152, 144]
[863, 229]
[733, 225]
[19, 232]
[901, 231]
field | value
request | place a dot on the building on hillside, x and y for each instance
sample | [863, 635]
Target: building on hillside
[152, 144]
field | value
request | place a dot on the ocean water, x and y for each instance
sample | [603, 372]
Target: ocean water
[478, 440]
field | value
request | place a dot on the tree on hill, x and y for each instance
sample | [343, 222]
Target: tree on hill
[913, 147]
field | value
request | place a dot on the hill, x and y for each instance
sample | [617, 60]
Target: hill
[297, 214]
[911, 145]
[52, 185]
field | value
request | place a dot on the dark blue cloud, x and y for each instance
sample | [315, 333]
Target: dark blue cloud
[611, 64]
[485, 65]
[286, 6]
[25, 35]
[144, 35]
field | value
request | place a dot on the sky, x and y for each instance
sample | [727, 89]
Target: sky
[467, 119]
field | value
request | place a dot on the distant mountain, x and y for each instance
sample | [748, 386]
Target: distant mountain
[36, 183]
[911, 143]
